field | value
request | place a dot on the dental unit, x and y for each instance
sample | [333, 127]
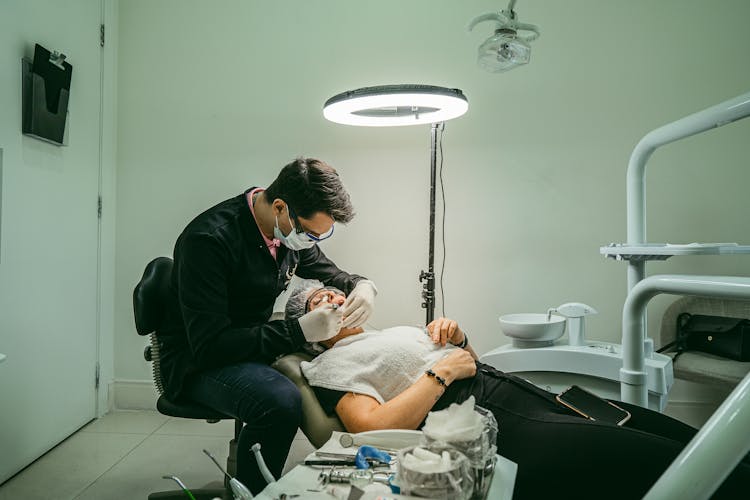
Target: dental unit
[630, 371]
[643, 376]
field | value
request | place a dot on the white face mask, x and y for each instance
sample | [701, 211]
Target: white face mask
[294, 240]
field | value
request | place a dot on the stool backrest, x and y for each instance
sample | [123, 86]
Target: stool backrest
[150, 294]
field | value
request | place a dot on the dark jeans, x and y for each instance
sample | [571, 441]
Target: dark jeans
[266, 401]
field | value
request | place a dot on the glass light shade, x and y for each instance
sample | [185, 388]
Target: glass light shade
[395, 105]
[503, 51]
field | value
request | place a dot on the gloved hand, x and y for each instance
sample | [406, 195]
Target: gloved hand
[322, 323]
[360, 304]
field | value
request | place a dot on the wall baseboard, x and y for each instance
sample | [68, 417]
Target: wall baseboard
[133, 395]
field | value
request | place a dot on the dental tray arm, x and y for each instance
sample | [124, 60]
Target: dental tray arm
[713, 117]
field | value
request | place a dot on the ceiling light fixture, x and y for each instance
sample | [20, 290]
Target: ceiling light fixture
[509, 46]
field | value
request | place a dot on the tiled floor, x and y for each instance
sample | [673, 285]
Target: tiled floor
[125, 454]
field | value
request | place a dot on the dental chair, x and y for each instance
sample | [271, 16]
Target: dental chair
[149, 306]
[316, 425]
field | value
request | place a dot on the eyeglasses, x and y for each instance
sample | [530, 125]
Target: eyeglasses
[299, 229]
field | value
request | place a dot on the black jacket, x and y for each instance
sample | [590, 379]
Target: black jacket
[224, 285]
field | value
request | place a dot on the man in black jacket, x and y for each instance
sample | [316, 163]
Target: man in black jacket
[230, 264]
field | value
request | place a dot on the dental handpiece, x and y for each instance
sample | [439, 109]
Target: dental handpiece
[239, 490]
[182, 485]
[347, 476]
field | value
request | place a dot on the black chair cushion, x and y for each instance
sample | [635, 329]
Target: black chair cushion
[149, 296]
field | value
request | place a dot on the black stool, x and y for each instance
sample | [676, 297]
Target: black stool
[149, 305]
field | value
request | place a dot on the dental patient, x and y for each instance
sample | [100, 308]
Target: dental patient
[391, 379]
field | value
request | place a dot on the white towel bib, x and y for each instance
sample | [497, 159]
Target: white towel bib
[378, 363]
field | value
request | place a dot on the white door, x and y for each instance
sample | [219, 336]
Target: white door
[48, 237]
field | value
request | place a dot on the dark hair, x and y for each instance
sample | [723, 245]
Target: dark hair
[310, 186]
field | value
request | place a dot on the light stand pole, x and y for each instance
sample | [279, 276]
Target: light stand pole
[428, 277]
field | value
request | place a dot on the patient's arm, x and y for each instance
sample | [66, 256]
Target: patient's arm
[407, 410]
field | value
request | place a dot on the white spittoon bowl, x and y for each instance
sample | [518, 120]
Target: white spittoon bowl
[533, 327]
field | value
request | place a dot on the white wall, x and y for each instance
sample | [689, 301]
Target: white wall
[216, 96]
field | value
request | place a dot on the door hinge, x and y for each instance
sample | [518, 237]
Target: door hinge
[99, 208]
[96, 377]
[101, 35]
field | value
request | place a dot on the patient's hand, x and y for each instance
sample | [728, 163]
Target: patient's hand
[444, 330]
[457, 365]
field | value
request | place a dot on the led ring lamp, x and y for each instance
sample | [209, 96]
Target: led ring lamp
[397, 105]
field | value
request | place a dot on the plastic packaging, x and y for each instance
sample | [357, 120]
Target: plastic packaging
[431, 473]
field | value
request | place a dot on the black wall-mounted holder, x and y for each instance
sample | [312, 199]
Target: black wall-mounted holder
[46, 89]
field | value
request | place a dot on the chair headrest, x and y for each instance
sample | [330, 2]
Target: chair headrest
[150, 294]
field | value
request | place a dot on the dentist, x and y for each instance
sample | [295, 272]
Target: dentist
[230, 264]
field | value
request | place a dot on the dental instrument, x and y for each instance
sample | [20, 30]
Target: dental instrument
[388, 440]
[334, 475]
[181, 484]
[262, 464]
[369, 456]
[324, 300]
[239, 490]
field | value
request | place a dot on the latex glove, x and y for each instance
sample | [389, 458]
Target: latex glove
[360, 304]
[322, 323]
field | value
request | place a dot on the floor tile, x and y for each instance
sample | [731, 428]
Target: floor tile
[140, 473]
[191, 427]
[128, 422]
[70, 467]
[125, 454]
